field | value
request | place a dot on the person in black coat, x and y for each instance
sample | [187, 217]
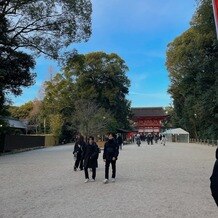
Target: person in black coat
[111, 152]
[214, 180]
[120, 141]
[91, 153]
[149, 139]
[78, 152]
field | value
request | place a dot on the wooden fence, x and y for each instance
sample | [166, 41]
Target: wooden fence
[20, 142]
[209, 142]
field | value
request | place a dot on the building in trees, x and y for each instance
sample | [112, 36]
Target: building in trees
[148, 119]
[14, 124]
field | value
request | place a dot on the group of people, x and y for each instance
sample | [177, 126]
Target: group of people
[87, 158]
[86, 155]
[149, 138]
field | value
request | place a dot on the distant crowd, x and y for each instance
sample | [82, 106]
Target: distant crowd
[150, 138]
[86, 153]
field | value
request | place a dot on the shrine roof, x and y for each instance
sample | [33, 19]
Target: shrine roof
[14, 123]
[148, 112]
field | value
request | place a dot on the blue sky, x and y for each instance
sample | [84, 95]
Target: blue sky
[138, 31]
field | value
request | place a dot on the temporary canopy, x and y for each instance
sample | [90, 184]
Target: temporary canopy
[177, 135]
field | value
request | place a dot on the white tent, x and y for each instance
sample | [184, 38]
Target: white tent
[176, 135]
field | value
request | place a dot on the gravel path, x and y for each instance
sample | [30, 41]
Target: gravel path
[152, 182]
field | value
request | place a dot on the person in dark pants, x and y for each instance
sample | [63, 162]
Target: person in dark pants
[78, 152]
[214, 180]
[149, 139]
[120, 141]
[111, 152]
[91, 152]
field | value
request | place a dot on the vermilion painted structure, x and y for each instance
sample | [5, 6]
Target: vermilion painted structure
[148, 119]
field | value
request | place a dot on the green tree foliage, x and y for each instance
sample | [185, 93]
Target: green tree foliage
[59, 98]
[68, 132]
[44, 26]
[59, 95]
[32, 113]
[21, 112]
[192, 64]
[56, 122]
[15, 66]
[98, 78]
[101, 78]
[169, 122]
[15, 72]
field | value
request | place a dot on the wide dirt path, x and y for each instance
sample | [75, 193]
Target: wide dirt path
[152, 181]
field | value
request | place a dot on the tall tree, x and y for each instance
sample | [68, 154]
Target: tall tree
[91, 119]
[15, 66]
[98, 78]
[21, 112]
[59, 98]
[44, 26]
[102, 78]
[15, 72]
[192, 65]
[56, 123]
[59, 95]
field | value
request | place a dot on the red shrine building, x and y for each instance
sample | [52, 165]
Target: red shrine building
[148, 119]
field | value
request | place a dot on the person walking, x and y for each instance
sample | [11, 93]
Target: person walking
[138, 140]
[160, 138]
[214, 180]
[156, 137]
[91, 153]
[164, 139]
[120, 141]
[152, 138]
[149, 139]
[110, 155]
[78, 152]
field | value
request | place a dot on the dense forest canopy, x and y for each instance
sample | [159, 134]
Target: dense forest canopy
[193, 67]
